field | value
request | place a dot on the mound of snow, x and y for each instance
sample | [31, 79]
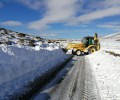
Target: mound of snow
[20, 65]
[106, 69]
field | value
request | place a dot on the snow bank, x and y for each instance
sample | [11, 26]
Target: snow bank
[20, 65]
[106, 69]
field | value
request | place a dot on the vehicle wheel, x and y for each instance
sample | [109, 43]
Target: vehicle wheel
[78, 53]
[73, 51]
[92, 50]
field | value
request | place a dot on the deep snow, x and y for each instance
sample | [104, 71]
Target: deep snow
[20, 65]
[106, 68]
[24, 57]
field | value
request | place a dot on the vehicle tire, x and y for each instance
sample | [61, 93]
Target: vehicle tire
[78, 53]
[92, 50]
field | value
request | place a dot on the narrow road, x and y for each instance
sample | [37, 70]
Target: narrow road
[79, 84]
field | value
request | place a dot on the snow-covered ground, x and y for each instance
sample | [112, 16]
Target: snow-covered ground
[21, 63]
[18, 66]
[106, 68]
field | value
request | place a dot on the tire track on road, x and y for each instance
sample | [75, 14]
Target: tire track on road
[79, 84]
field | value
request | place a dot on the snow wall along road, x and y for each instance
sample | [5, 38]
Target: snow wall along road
[20, 65]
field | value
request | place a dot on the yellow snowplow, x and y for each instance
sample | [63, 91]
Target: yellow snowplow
[88, 44]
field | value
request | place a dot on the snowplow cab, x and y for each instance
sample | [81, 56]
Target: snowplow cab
[87, 41]
[88, 44]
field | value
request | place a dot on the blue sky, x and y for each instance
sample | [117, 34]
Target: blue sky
[72, 19]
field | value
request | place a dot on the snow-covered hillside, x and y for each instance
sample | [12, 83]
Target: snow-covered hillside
[23, 58]
[111, 42]
[15, 38]
[115, 36]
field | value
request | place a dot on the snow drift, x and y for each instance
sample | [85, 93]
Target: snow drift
[20, 65]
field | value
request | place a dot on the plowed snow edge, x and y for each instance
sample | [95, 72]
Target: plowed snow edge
[35, 86]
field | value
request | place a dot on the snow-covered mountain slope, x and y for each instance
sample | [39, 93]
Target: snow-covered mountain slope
[15, 38]
[8, 37]
[115, 36]
[111, 43]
